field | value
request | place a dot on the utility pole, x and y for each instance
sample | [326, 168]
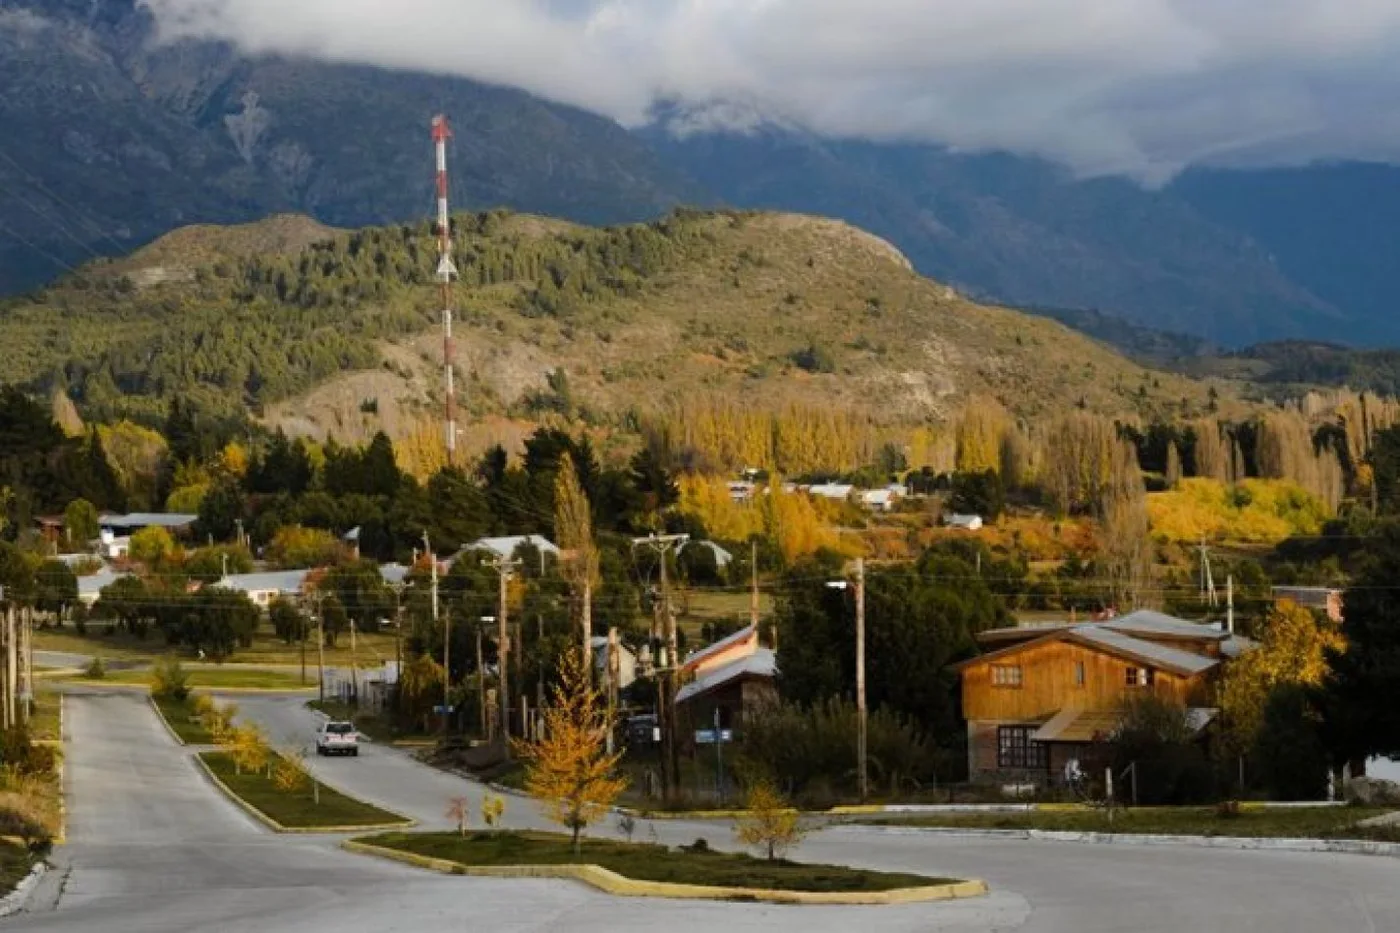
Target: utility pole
[587, 634]
[1230, 604]
[446, 273]
[669, 667]
[861, 715]
[354, 667]
[505, 568]
[1207, 579]
[320, 649]
[613, 669]
[481, 672]
[753, 581]
[446, 635]
[27, 647]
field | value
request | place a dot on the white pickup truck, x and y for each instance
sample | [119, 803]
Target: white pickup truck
[337, 738]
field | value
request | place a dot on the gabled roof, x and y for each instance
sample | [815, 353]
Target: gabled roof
[1098, 636]
[729, 641]
[1137, 649]
[1148, 623]
[280, 581]
[762, 663]
[138, 520]
[506, 546]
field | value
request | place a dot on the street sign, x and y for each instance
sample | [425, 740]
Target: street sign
[444, 709]
[707, 736]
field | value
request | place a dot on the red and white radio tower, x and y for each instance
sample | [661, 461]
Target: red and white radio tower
[446, 273]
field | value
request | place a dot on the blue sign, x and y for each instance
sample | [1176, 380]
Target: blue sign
[707, 736]
[444, 709]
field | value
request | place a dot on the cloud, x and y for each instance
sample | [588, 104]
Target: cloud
[1141, 87]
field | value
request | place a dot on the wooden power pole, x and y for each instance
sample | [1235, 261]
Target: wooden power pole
[669, 668]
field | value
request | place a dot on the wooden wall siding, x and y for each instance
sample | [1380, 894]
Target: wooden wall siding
[1048, 684]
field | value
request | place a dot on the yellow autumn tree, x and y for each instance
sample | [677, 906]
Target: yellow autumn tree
[569, 767]
[1293, 651]
[771, 825]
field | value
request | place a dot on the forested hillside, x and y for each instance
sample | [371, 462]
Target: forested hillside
[605, 324]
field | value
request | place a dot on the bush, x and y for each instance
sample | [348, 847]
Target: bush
[811, 752]
[1288, 753]
[18, 752]
[169, 680]
[1157, 741]
[95, 670]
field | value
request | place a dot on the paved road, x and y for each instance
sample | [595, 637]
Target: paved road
[153, 847]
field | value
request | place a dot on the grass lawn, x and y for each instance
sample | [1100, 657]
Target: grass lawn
[296, 809]
[214, 678]
[179, 714]
[644, 862]
[44, 723]
[372, 648]
[1292, 822]
[15, 863]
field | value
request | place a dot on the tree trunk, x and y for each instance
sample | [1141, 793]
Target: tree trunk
[578, 843]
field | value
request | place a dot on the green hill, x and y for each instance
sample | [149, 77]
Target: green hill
[324, 329]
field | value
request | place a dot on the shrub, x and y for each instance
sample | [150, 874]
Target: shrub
[19, 753]
[772, 826]
[169, 680]
[95, 670]
[1289, 756]
[1156, 740]
[492, 809]
[289, 771]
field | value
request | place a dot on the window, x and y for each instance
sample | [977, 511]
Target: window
[1006, 675]
[1140, 677]
[1016, 750]
[1080, 677]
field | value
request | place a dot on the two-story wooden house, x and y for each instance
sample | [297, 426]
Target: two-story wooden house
[1041, 693]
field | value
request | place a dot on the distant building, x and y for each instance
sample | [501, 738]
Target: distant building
[722, 557]
[741, 644]
[263, 588]
[174, 522]
[507, 546]
[964, 522]
[740, 490]
[90, 587]
[730, 691]
[1324, 599]
[626, 662]
[838, 491]
[879, 500]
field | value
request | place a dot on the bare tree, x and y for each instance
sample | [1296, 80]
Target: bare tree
[573, 524]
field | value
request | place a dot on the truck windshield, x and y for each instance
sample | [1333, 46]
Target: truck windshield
[340, 728]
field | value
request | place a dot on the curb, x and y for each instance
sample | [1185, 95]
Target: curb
[704, 814]
[62, 837]
[165, 722]
[612, 883]
[1250, 843]
[221, 691]
[14, 902]
[277, 827]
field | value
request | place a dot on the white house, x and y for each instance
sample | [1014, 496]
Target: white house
[263, 588]
[174, 522]
[90, 587]
[879, 500]
[507, 546]
[740, 490]
[841, 491]
[722, 557]
[113, 546]
[626, 661]
[965, 522]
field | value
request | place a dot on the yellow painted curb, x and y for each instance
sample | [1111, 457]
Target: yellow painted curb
[1062, 807]
[62, 772]
[696, 814]
[863, 809]
[613, 883]
[277, 827]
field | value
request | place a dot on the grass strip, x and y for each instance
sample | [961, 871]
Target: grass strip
[44, 721]
[1271, 823]
[179, 716]
[296, 809]
[16, 862]
[647, 862]
[212, 679]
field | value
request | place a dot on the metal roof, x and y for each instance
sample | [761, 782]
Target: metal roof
[1147, 622]
[281, 581]
[93, 585]
[507, 546]
[762, 663]
[1148, 652]
[393, 573]
[709, 651]
[148, 520]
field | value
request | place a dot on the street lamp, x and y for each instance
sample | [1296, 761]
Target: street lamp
[860, 671]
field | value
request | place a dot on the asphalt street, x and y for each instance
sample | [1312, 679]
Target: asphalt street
[154, 847]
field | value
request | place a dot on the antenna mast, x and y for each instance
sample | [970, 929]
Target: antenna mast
[446, 273]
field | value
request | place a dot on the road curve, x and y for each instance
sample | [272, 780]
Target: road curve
[153, 847]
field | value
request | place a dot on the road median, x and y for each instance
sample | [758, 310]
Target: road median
[636, 870]
[314, 807]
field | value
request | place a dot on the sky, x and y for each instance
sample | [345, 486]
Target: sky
[1135, 87]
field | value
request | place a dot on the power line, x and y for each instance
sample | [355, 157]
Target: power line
[124, 248]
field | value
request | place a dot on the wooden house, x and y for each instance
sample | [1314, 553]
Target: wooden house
[1041, 693]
